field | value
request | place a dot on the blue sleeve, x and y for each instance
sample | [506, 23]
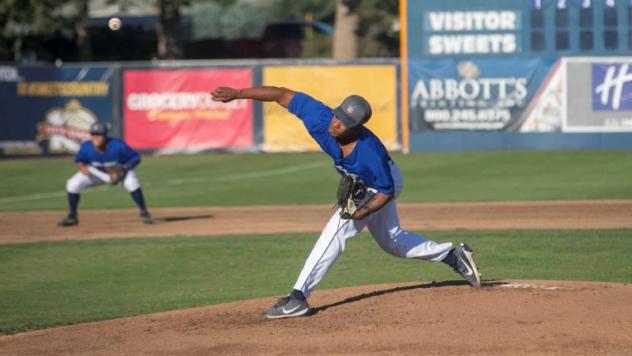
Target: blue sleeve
[316, 117]
[383, 179]
[314, 114]
[129, 158]
[82, 155]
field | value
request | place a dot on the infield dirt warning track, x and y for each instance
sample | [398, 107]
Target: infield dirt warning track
[24, 227]
[450, 318]
[504, 317]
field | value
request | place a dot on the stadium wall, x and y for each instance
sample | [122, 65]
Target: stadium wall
[520, 104]
[165, 107]
[453, 105]
[516, 74]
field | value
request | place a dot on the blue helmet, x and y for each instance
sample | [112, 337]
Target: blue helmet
[98, 128]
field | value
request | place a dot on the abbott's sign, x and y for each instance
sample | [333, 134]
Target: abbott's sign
[481, 94]
[471, 32]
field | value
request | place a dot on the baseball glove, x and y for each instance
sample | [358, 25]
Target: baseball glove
[116, 173]
[351, 191]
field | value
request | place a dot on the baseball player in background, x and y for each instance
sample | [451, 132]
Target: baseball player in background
[104, 160]
[374, 181]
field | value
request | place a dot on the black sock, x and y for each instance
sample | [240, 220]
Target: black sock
[298, 294]
[450, 259]
[73, 203]
[137, 195]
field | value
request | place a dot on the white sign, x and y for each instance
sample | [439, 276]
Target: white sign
[472, 21]
[472, 32]
[472, 44]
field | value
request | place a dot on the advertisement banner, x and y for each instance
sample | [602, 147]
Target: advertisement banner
[48, 110]
[611, 87]
[546, 109]
[330, 84]
[471, 32]
[172, 110]
[599, 95]
[472, 95]
[463, 28]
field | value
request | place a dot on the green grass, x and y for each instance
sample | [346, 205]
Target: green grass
[245, 179]
[55, 283]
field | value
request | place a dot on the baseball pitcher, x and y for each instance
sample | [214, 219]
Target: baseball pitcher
[370, 183]
[103, 160]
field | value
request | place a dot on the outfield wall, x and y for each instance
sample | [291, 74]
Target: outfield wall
[520, 104]
[165, 107]
[451, 105]
[282, 132]
[48, 110]
[507, 74]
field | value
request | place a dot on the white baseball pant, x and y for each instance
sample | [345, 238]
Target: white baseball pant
[384, 227]
[79, 181]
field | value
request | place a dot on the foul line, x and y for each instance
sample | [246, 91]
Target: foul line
[47, 195]
[249, 175]
[174, 182]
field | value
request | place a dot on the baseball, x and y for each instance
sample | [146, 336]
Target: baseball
[114, 24]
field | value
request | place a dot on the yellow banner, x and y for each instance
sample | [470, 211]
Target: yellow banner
[283, 131]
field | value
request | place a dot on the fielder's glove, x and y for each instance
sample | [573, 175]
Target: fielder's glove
[116, 173]
[351, 191]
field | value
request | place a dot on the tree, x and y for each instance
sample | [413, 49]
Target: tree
[379, 28]
[315, 44]
[292, 9]
[345, 38]
[49, 29]
[22, 20]
[82, 38]
[169, 44]
[375, 34]
[27, 27]
[169, 41]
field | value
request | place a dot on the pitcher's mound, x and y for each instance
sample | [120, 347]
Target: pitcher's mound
[503, 318]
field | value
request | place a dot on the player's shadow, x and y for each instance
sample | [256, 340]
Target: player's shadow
[377, 293]
[182, 218]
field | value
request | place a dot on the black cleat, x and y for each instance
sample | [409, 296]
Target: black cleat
[287, 307]
[465, 265]
[146, 218]
[70, 220]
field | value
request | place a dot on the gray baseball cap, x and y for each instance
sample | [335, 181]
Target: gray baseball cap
[353, 111]
[98, 128]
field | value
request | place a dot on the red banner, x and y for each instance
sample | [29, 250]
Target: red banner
[172, 109]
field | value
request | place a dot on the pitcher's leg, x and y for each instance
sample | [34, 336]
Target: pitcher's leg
[386, 230]
[329, 246]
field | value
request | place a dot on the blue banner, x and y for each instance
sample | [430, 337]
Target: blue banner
[48, 110]
[472, 95]
[612, 87]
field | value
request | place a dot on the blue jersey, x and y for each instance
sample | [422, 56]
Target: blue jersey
[116, 152]
[369, 159]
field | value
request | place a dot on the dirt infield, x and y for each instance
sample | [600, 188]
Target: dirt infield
[577, 214]
[502, 318]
